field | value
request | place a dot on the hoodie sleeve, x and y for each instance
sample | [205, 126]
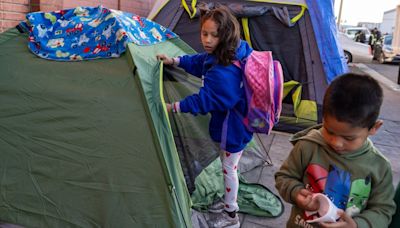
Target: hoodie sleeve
[380, 206]
[289, 178]
[221, 91]
[193, 64]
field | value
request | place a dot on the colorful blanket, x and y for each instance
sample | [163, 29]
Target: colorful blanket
[89, 33]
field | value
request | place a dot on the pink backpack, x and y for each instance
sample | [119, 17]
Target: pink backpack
[263, 83]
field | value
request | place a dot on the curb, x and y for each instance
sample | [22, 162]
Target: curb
[382, 79]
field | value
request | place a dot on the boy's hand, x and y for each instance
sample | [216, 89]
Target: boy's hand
[304, 200]
[166, 60]
[344, 221]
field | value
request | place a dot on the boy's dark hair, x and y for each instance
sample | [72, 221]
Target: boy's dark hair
[355, 99]
[228, 31]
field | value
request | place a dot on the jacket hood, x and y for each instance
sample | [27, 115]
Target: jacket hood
[313, 134]
[243, 50]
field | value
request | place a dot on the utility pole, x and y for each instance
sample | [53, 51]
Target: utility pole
[340, 14]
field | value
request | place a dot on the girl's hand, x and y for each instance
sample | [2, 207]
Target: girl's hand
[344, 221]
[169, 107]
[166, 60]
[305, 201]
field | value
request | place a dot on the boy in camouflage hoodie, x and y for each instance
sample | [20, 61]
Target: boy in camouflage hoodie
[337, 159]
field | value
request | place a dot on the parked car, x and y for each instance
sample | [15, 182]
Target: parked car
[352, 31]
[354, 51]
[383, 50]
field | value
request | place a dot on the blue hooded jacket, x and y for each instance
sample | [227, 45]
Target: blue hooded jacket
[222, 91]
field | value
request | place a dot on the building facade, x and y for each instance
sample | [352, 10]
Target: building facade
[388, 21]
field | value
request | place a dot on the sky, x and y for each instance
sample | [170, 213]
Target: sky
[354, 11]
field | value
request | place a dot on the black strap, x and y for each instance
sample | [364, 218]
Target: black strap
[20, 29]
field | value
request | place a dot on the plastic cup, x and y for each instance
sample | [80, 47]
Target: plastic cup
[327, 211]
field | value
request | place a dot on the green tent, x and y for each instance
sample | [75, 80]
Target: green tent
[87, 144]
[90, 144]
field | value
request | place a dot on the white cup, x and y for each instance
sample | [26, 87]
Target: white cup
[327, 211]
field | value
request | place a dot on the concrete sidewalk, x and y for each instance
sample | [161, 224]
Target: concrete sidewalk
[386, 140]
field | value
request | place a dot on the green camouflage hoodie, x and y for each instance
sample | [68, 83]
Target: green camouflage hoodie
[359, 182]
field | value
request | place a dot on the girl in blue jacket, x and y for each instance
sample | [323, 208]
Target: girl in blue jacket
[222, 93]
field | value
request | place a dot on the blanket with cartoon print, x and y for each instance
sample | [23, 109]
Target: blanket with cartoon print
[84, 33]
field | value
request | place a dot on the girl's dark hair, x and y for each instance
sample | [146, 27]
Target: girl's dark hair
[355, 99]
[228, 31]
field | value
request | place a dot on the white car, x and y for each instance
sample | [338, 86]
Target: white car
[354, 51]
[352, 31]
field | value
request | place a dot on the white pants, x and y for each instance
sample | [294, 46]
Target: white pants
[230, 163]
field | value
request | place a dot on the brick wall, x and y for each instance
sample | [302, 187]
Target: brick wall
[50, 5]
[13, 11]
[140, 7]
[112, 4]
